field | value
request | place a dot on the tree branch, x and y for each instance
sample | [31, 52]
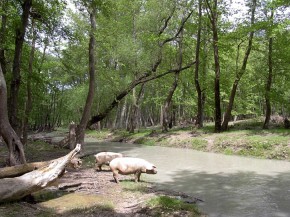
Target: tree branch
[142, 79]
[184, 20]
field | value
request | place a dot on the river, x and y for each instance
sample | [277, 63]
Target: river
[230, 186]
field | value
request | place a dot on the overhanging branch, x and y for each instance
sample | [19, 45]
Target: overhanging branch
[142, 79]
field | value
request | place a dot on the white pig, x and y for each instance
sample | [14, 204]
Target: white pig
[105, 158]
[130, 165]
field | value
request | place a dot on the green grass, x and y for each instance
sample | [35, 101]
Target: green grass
[90, 211]
[131, 186]
[256, 143]
[103, 134]
[198, 143]
[21, 209]
[164, 205]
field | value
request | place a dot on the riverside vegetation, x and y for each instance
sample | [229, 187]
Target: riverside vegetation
[245, 138]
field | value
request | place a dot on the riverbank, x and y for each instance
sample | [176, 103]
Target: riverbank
[244, 138]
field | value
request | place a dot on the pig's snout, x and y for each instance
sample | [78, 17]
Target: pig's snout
[153, 170]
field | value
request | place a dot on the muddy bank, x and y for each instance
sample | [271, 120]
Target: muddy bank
[86, 192]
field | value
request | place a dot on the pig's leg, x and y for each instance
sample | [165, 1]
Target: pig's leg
[99, 167]
[137, 176]
[115, 175]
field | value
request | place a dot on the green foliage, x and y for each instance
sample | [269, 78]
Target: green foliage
[128, 45]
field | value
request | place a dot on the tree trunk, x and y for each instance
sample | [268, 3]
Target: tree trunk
[121, 121]
[16, 152]
[72, 135]
[134, 110]
[269, 80]
[166, 119]
[3, 35]
[213, 16]
[166, 116]
[16, 188]
[16, 77]
[240, 73]
[199, 120]
[217, 81]
[28, 104]
[80, 132]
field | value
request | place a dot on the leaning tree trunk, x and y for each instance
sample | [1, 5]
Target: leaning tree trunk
[16, 188]
[149, 75]
[16, 77]
[80, 131]
[240, 73]
[16, 152]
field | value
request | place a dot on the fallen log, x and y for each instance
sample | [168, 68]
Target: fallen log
[18, 170]
[12, 189]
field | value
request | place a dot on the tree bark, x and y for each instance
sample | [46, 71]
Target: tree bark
[270, 78]
[3, 35]
[16, 188]
[166, 116]
[72, 135]
[16, 77]
[213, 17]
[199, 120]
[134, 110]
[80, 131]
[15, 147]
[28, 104]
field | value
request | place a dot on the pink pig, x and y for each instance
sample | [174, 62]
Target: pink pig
[130, 165]
[105, 158]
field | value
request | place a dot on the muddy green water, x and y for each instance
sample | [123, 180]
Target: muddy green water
[229, 185]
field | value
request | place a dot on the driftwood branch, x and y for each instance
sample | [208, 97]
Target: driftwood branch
[12, 189]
